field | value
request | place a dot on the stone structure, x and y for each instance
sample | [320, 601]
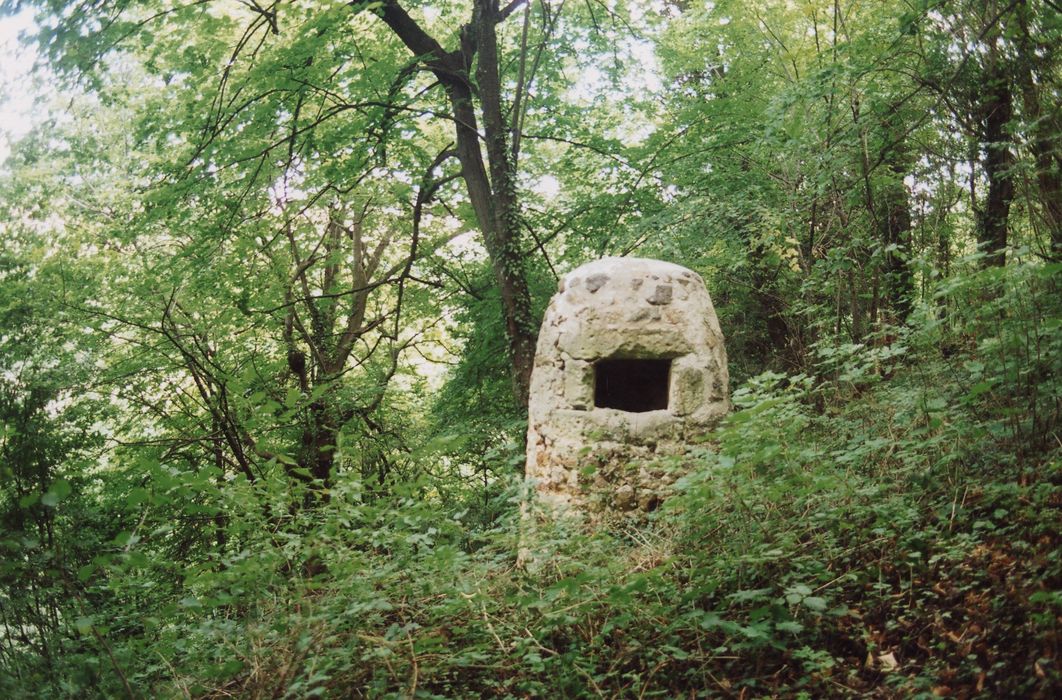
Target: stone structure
[630, 367]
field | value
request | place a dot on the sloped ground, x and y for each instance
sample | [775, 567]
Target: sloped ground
[890, 545]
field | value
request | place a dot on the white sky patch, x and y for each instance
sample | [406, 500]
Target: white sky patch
[915, 185]
[584, 89]
[286, 189]
[466, 244]
[647, 76]
[547, 186]
[642, 75]
[16, 94]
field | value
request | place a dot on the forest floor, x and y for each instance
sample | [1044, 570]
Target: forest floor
[857, 537]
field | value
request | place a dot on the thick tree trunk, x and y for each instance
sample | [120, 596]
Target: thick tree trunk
[493, 197]
[319, 445]
[509, 271]
[998, 164]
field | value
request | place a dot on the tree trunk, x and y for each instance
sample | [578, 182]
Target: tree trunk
[509, 270]
[1043, 129]
[895, 233]
[998, 164]
[319, 444]
[493, 197]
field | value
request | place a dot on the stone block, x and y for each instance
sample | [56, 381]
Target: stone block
[630, 365]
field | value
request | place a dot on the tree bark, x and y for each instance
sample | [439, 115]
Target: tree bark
[895, 232]
[493, 196]
[1043, 129]
[997, 110]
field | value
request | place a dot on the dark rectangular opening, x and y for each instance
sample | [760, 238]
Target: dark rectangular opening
[636, 386]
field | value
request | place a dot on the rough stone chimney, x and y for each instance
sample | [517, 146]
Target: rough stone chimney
[630, 367]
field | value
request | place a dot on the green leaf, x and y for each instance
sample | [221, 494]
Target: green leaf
[750, 594]
[57, 492]
[789, 626]
[137, 496]
[123, 539]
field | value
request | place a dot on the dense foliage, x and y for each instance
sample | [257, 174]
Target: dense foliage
[270, 276]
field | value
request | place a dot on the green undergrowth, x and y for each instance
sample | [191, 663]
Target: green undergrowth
[886, 525]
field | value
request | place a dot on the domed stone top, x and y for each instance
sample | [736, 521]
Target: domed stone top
[616, 307]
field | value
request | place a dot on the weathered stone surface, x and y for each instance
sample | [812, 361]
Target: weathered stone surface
[596, 282]
[662, 295]
[592, 459]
